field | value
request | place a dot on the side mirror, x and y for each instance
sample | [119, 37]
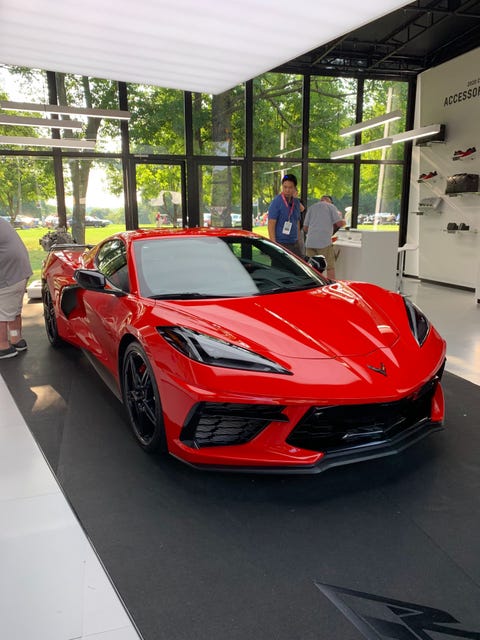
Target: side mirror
[318, 262]
[94, 281]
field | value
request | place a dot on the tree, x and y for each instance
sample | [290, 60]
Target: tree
[25, 185]
[25, 182]
[91, 93]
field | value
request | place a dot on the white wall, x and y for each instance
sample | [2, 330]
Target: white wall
[448, 94]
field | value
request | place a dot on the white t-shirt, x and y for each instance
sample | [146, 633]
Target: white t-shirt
[319, 220]
[14, 260]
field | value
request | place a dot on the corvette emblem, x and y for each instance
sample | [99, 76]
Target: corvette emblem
[381, 369]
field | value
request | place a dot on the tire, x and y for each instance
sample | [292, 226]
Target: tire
[142, 400]
[50, 318]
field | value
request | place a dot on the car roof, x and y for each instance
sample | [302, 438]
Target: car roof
[146, 234]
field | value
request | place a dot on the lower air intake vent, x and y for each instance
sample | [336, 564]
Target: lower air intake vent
[215, 424]
[336, 428]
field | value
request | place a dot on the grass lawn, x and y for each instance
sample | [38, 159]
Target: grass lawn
[93, 235]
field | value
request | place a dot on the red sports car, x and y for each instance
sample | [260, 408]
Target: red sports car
[230, 352]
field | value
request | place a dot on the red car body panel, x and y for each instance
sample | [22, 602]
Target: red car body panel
[347, 343]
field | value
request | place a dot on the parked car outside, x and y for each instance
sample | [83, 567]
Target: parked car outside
[384, 218]
[235, 219]
[51, 221]
[93, 221]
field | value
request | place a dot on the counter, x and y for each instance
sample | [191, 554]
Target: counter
[368, 256]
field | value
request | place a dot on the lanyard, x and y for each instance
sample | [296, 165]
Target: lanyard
[289, 208]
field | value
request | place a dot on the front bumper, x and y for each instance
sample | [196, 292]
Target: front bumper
[306, 439]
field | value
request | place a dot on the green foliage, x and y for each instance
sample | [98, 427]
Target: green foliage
[157, 124]
[332, 107]
[218, 123]
[277, 116]
[25, 185]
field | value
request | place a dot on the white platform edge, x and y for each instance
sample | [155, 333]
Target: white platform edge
[53, 586]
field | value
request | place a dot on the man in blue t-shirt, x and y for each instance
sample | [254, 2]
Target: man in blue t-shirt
[284, 215]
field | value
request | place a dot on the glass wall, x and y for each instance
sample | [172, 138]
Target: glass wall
[220, 201]
[159, 194]
[171, 151]
[277, 115]
[334, 180]
[157, 125]
[380, 194]
[219, 123]
[380, 97]
[267, 181]
[27, 190]
[332, 107]
[93, 195]
[81, 91]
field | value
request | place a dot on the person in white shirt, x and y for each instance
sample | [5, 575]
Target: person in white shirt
[321, 222]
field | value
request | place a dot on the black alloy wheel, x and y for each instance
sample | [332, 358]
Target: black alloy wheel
[142, 400]
[50, 318]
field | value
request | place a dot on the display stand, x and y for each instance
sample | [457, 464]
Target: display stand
[368, 256]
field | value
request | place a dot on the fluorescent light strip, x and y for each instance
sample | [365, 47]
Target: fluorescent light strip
[413, 134]
[115, 114]
[381, 143]
[373, 122]
[40, 122]
[74, 143]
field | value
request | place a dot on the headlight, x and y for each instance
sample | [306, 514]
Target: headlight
[419, 324]
[215, 352]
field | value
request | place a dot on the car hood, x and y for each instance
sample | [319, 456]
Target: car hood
[329, 322]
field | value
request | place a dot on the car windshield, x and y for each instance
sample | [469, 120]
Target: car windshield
[192, 267]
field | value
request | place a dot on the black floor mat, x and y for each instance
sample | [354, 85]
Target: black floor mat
[384, 549]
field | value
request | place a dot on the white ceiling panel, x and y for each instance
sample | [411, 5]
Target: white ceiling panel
[195, 45]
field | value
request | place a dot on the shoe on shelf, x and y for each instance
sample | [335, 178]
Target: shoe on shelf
[11, 352]
[459, 155]
[426, 176]
[21, 345]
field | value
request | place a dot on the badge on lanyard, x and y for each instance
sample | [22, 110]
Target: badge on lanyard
[287, 227]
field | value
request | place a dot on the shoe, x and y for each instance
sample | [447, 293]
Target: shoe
[11, 352]
[459, 155]
[21, 345]
[426, 176]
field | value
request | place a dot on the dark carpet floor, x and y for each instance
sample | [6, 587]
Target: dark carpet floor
[384, 549]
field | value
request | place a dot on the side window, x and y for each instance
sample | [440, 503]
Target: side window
[112, 262]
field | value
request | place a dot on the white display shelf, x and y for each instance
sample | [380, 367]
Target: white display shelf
[462, 194]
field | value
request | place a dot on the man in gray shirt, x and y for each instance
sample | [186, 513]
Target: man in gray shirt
[15, 269]
[321, 222]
